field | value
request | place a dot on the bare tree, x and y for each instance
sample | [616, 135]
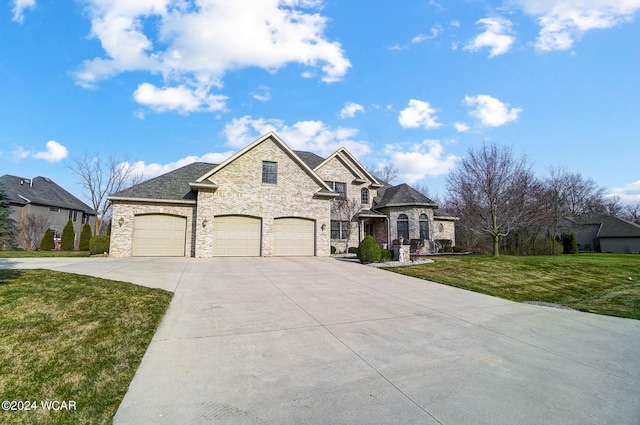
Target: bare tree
[101, 177]
[632, 212]
[387, 173]
[344, 210]
[493, 192]
[29, 231]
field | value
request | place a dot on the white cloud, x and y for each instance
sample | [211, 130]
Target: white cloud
[418, 114]
[628, 193]
[19, 6]
[490, 111]
[350, 110]
[180, 99]
[461, 127]
[498, 36]
[193, 46]
[313, 136]
[19, 153]
[263, 94]
[422, 160]
[148, 171]
[563, 22]
[55, 152]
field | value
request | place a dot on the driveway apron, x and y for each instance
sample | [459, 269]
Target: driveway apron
[323, 341]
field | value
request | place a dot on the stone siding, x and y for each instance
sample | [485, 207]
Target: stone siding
[336, 170]
[241, 192]
[448, 230]
[122, 236]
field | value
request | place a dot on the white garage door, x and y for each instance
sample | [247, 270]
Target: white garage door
[293, 236]
[158, 235]
[235, 235]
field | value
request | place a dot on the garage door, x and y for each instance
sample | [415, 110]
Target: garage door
[158, 235]
[236, 236]
[293, 236]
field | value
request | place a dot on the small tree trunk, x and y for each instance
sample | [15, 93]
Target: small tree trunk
[496, 244]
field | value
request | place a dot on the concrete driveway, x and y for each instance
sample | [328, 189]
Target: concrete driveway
[323, 341]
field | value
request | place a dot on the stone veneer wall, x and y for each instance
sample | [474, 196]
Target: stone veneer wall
[336, 170]
[413, 213]
[448, 231]
[241, 192]
[122, 236]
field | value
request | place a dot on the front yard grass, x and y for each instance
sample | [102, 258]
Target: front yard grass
[67, 337]
[606, 284]
[42, 254]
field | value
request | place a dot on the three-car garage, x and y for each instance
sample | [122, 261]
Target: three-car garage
[233, 235]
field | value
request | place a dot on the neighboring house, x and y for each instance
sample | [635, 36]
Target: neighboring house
[604, 234]
[42, 196]
[267, 200]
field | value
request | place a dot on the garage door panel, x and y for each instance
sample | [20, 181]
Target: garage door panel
[236, 236]
[158, 235]
[293, 236]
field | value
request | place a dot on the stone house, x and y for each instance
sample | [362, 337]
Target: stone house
[268, 200]
[42, 196]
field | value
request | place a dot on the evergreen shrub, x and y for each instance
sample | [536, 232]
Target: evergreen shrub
[67, 241]
[99, 244]
[369, 251]
[85, 237]
[47, 243]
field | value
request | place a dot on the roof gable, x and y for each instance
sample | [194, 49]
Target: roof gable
[359, 171]
[272, 137]
[40, 191]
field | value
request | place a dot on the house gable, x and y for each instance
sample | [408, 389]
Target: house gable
[237, 187]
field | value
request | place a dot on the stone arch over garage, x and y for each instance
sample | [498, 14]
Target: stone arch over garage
[294, 236]
[159, 235]
[237, 236]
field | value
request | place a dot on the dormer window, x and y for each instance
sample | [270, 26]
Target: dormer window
[269, 172]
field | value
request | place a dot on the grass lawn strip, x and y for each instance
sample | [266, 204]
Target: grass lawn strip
[43, 254]
[68, 337]
[597, 283]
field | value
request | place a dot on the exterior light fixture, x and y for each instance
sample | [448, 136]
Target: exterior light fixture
[204, 223]
[121, 221]
[324, 226]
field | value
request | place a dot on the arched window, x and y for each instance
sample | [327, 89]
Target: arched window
[424, 226]
[403, 226]
[364, 196]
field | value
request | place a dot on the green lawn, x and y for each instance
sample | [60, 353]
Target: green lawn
[41, 254]
[68, 337]
[598, 283]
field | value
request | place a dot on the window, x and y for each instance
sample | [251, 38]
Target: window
[364, 195]
[424, 226]
[269, 172]
[340, 229]
[403, 226]
[339, 187]
[54, 209]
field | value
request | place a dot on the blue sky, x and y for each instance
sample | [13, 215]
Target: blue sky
[415, 83]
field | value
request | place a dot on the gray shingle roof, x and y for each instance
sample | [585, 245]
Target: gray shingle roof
[402, 194]
[311, 159]
[613, 227]
[173, 185]
[40, 191]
